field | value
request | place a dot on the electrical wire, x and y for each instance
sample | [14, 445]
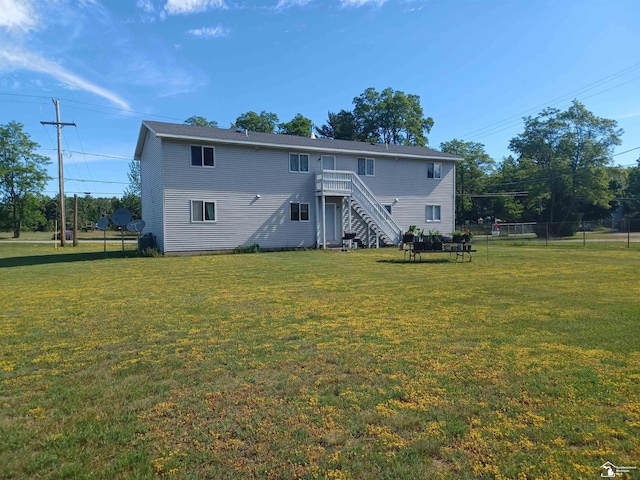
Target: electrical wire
[586, 88]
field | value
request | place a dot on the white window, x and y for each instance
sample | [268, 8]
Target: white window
[366, 167]
[433, 213]
[298, 162]
[299, 212]
[328, 162]
[202, 156]
[202, 211]
[434, 170]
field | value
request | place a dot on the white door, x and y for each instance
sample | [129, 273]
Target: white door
[330, 222]
[328, 162]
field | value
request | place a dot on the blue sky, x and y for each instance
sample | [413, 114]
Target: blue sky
[478, 67]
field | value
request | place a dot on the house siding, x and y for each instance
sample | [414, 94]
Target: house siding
[239, 175]
[406, 180]
[151, 188]
[170, 183]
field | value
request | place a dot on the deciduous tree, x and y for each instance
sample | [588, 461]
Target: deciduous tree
[132, 194]
[299, 125]
[265, 122]
[568, 152]
[472, 174]
[23, 173]
[197, 121]
[391, 117]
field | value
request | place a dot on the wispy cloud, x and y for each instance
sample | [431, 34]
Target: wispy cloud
[291, 3]
[12, 59]
[209, 32]
[361, 3]
[120, 57]
[175, 7]
[146, 6]
[18, 15]
[628, 115]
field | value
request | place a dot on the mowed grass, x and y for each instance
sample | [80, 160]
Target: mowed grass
[522, 364]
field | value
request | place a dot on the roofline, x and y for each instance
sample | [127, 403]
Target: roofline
[280, 145]
[137, 155]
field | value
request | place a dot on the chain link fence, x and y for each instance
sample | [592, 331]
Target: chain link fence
[609, 230]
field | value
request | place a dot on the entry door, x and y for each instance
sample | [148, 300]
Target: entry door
[328, 162]
[330, 222]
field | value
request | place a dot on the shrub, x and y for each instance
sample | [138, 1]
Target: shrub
[255, 248]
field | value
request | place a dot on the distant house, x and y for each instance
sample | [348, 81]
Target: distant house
[207, 189]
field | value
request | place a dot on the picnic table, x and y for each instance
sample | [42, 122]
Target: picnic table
[414, 250]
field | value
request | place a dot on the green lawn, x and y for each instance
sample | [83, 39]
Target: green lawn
[524, 363]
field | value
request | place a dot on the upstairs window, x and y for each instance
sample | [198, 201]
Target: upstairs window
[203, 211]
[434, 170]
[299, 212]
[202, 156]
[298, 162]
[366, 167]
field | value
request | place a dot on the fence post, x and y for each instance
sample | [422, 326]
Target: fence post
[546, 242]
[628, 233]
[584, 235]
[488, 235]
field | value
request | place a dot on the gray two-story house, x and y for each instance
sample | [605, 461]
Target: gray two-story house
[206, 189]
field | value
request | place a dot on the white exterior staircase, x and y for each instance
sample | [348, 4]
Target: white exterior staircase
[363, 202]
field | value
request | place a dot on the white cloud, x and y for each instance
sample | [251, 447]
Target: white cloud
[22, 60]
[18, 15]
[209, 32]
[291, 3]
[361, 3]
[628, 115]
[174, 7]
[146, 5]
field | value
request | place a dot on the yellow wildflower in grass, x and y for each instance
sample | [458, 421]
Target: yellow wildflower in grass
[320, 364]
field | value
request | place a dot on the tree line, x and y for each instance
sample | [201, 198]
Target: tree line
[560, 170]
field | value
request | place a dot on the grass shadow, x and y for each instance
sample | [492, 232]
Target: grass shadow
[416, 262]
[63, 258]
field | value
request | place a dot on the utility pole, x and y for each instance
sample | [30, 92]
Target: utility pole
[59, 125]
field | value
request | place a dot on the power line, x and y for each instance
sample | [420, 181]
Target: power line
[86, 193]
[96, 181]
[144, 114]
[94, 154]
[509, 120]
[514, 123]
[626, 151]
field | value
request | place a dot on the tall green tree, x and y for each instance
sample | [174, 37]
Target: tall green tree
[340, 126]
[391, 117]
[132, 198]
[23, 173]
[472, 175]
[265, 122]
[632, 195]
[299, 125]
[568, 152]
[198, 121]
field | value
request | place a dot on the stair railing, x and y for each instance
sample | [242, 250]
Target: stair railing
[380, 215]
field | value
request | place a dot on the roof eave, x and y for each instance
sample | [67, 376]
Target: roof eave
[305, 147]
[141, 138]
